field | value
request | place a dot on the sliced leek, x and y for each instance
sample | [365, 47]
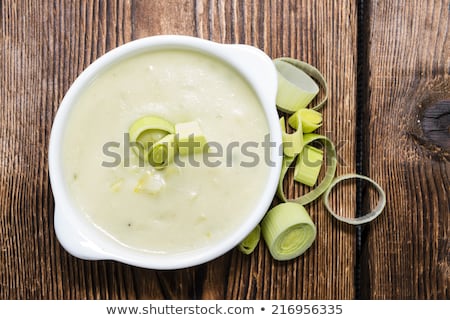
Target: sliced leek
[162, 152]
[287, 228]
[157, 141]
[309, 120]
[250, 242]
[296, 89]
[190, 138]
[288, 231]
[362, 219]
[146, 131]
[292, 142]
[308, 166]
[331, 163]
[290, 97]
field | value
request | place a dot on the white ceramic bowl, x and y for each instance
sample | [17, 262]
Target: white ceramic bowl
[83, 239]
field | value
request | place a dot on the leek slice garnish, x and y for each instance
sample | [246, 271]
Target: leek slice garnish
[287, 228]
[190, 138]
[148, 130]
[362, 219]
[295, 93]
[162, 152]
[292, 142]
[288, 231]
[308, 166]
[297, 82]
[295, 88]
[309, 120]
[157, 141]
[250, 242]
[330, 171]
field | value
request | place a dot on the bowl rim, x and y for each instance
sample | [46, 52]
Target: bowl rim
[81, 237]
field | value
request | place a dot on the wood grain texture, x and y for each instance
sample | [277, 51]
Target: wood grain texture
[409, 65]
[44, 46]
[302, 30]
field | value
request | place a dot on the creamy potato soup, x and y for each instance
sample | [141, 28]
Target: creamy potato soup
[189, 204]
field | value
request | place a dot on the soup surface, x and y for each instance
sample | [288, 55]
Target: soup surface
[190, 204]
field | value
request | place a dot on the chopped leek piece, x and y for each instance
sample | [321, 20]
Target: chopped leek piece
[296, 89]
[288, 231]
[309, 162]
[362, 219]
[309, 119]
[146, 131]
[249, 244]
[305, 68]
[162, 152]
[293, 142]
[331, 163]
[190, 138]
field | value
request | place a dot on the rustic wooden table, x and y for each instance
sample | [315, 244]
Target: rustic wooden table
[387, 64]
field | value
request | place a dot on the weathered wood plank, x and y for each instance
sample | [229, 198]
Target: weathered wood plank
[302, 29]
[280, 29]
[45, 45]
[409, 70]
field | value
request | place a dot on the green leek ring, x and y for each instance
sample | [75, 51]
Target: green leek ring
[310, 71]
[365, 218]
[326, 181]
[288, 231]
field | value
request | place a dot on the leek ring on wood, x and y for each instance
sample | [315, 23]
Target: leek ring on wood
[292, 142]
[308, 166]
[288, 231]
[365, 218]
[331, 163]
[296, 87]
[308, 119]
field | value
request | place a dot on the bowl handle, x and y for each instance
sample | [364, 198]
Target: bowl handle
[74, 241]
